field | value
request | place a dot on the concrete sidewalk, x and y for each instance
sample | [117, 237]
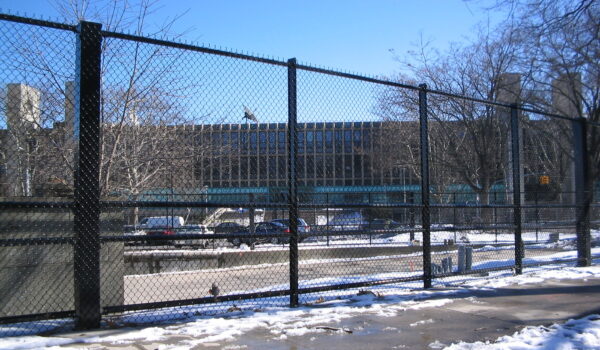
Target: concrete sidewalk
[478, 316]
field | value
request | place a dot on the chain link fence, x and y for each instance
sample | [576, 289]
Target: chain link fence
[143, 180]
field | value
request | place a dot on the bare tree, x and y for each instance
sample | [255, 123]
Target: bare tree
[560, 45]
[468, 140]
[143, 100]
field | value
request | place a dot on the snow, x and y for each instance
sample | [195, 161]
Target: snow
[202, 326]
[283, 322]
[583, 333]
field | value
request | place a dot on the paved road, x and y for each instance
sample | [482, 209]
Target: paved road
[244, 279]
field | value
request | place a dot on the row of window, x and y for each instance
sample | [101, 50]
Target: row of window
[309, 168]
[302, 182]
[275, 141]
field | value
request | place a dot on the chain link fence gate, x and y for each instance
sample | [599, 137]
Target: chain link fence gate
[144, 180]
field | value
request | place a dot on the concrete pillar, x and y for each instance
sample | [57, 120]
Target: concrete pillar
[23, 120]
[566, 100]
[508, 91]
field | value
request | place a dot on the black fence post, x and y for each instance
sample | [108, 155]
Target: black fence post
[425, 212]
[583, 192]
[516, 174]
[86, 253]
[293, 180]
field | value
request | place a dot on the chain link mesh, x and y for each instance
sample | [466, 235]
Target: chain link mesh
[36, 174]
[193, 172]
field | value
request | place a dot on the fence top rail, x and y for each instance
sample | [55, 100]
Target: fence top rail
[225, 53]
[37, 22]
[191, 47]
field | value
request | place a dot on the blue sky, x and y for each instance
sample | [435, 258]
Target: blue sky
[350, 35]
[355, 36]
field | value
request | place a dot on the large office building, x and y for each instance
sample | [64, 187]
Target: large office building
[329, 154]
[332, 157]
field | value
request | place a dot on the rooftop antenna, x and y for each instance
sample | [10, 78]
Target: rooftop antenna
[248, 115]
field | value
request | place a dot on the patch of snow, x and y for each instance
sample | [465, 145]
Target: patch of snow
[418, 323]
[582, 333]
[437, 345]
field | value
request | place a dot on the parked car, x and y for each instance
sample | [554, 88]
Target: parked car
[383, 224]
[348, 221]
[303, 227]
[194, 230]
[156, 225]
[384, 227]
[228, 227]
[245, 236]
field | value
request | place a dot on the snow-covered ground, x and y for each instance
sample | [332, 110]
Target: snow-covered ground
[199, 326]
[578, 334]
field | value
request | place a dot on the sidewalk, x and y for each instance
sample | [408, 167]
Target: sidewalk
[479, 315]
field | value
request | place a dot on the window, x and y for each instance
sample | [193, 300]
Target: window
[310, 166]
[319, 141]
[310, 141]
[245, 168]
[225, 170]
[216, 142]
[235, 170]
[253, 166]
[225, 139]
[281, 167]
[272, 167]
[367, 168]
[272, 142]
[263, 167]
[301, 168]
[366, 138]
[281, 142]
[339, 166]
[348, 141]
[328, 166]
[253, 146]
[216, 174]
[329, 141]
[197, 171]
[357, 139]
[348, 166]
[338, 141]
[300, 142]
[234, 140]
[319, 167]
[244, 142]
[262, 141]
[357, 166]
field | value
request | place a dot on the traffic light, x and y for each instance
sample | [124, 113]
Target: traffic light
[544, 180]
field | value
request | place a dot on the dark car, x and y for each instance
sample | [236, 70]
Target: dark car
[303, 227]
[228, 227]
[262, 232]
[383, 224]
[385, 227]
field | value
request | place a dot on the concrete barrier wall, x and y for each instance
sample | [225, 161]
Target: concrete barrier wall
[39, 278]
[140, 262]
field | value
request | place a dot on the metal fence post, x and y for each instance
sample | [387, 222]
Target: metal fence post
[516, 174]
[293, 180]
[86, 253]
[583, 192]
[425, 212]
